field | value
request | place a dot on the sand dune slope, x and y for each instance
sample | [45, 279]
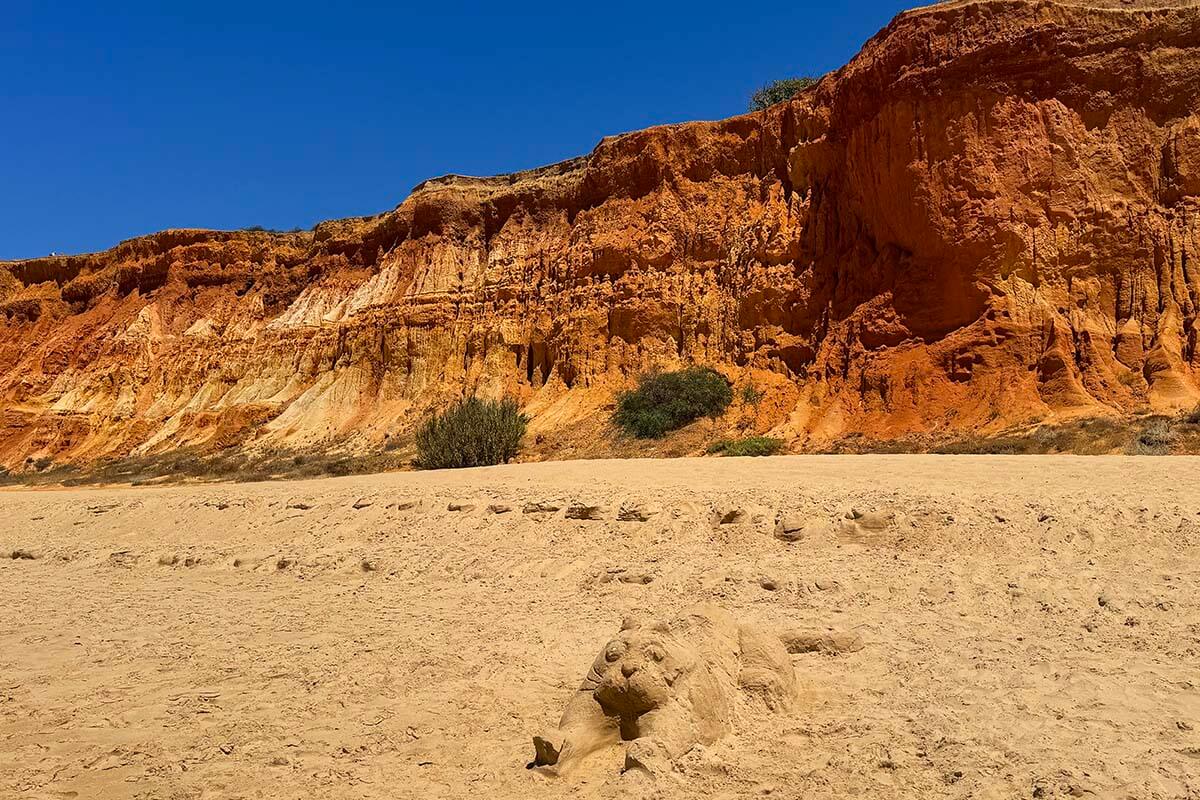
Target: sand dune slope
[1029, 627]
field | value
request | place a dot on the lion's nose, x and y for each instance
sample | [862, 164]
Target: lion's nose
[628, 669]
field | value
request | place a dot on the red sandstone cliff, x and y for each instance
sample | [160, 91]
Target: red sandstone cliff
[988, 217]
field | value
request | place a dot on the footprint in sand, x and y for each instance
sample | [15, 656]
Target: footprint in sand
[173, 560]
[22, 555]
[636, 512]
[622, 575]
[730, 516]
[870, 520]
[740, 515]
[867, 526]
[827, 642]
[122, 558]
[585, 512]
[796, 527]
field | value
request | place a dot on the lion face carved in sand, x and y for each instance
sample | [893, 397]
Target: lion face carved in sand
[636, 672]
[664, 687]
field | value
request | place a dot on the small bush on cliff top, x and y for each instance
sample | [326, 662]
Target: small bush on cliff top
[471, 433]
[669, 400]
[778, 91]
[261, 229]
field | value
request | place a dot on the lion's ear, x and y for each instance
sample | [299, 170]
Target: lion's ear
[631, 622]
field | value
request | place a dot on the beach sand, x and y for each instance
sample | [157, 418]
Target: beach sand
[1024, 627]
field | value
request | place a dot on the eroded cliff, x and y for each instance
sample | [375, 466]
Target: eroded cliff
[988, 217]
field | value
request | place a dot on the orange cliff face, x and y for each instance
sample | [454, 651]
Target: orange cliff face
[988, 217]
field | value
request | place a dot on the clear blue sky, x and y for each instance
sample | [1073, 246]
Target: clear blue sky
[123, 118]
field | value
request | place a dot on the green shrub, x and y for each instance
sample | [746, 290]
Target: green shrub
[667, 401]
[751, 446]
[779, 91]
[752, 396]
[471, 433]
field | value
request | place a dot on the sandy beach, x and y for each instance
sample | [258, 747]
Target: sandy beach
[1016, 627]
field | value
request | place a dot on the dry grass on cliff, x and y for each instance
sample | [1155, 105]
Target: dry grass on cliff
[1154, 434]
[187, 466]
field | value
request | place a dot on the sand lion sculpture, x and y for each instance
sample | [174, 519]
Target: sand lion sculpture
[664, 687]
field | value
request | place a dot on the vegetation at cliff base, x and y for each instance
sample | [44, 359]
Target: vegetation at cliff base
[1192, 417]
[779, 91]
[471, 433]
[666, 401]
[1155, 437]
[750, 446]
